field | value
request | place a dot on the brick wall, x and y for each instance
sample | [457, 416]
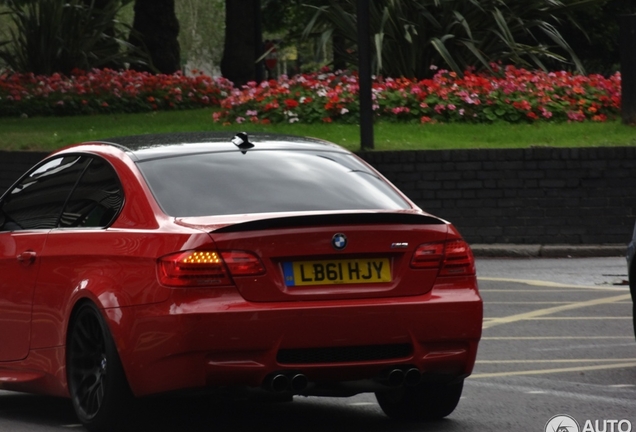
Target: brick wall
[522, 196]
[526, 196]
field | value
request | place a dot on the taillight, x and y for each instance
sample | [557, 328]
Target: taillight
[452, 257]
[458, 259]
[207, 268]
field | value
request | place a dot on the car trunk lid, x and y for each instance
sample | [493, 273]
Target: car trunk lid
[325, 256]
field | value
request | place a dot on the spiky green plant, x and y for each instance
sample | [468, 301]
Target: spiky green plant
[48, 36]
[411, 35]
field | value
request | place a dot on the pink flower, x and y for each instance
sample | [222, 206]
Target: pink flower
[400, 110]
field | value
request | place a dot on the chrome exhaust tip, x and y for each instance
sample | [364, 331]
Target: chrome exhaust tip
[276, 383]
[299, 382]
[391, 378]
[412, 377]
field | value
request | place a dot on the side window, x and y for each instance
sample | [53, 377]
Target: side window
[37, 200]
[96, 200]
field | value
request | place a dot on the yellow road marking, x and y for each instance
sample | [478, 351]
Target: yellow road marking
[549, 284]
[579, 318]
[548, 311]
[552, 337]
[551, 371]
[543, 291]
[527, 302]
[557, 361]
[541, 302]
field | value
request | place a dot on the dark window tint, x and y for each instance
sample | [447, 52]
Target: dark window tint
[266, 181]
[97, 198]
[37, 201]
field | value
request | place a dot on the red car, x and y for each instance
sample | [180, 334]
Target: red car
[203, 261]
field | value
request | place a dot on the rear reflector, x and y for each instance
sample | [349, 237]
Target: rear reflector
[199, 268]
[452, 257]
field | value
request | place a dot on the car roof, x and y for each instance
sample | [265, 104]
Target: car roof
[152, 146]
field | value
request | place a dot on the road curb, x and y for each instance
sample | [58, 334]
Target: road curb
[547, 251]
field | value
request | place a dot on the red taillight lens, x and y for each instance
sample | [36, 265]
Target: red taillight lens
[207, 268]
[452, 257]
[458, 259]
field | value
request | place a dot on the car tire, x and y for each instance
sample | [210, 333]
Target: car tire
[634, 311]
[632, 291]
[425, 401]
[97, 384]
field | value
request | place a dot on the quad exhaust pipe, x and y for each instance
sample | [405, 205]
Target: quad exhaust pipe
[295, 382]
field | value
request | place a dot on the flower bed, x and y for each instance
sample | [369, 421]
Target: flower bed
[106, 91]
[510, 94]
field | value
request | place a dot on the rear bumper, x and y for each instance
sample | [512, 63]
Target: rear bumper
[196, 341]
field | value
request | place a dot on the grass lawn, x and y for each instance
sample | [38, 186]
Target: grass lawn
[50, 133]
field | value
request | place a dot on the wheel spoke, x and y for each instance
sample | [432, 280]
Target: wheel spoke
[99, 391]
[87, 362]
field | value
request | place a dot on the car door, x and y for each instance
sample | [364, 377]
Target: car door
[79, 245]
[28, 211]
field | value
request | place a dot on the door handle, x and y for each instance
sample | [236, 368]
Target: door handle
[27, 257]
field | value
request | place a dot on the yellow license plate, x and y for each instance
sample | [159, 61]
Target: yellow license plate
[329, 272]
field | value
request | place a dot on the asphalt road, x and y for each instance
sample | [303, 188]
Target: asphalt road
[558, 339]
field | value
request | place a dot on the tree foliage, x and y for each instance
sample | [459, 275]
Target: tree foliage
[48, 36]
[599, 51]
[411, 35]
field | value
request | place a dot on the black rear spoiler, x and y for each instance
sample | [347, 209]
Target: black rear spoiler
[333, 219]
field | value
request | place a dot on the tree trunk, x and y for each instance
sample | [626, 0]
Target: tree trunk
[339, 44]
[627, 43]
[242, 38]
[155, 28]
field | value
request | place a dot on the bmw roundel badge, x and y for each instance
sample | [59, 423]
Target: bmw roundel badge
[339, 241]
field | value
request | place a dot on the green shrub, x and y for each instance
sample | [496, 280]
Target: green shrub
[49, 36]
[410, 35]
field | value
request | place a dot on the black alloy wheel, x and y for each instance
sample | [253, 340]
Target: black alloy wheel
[426, 401]
[97, 384]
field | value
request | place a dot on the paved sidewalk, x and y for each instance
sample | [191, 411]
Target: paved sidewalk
[547, 251]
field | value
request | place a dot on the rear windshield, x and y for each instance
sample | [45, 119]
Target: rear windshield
[262, 181]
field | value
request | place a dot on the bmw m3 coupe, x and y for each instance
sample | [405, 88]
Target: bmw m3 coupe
[195, 262]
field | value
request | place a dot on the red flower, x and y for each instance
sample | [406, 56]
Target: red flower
[291, 103]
